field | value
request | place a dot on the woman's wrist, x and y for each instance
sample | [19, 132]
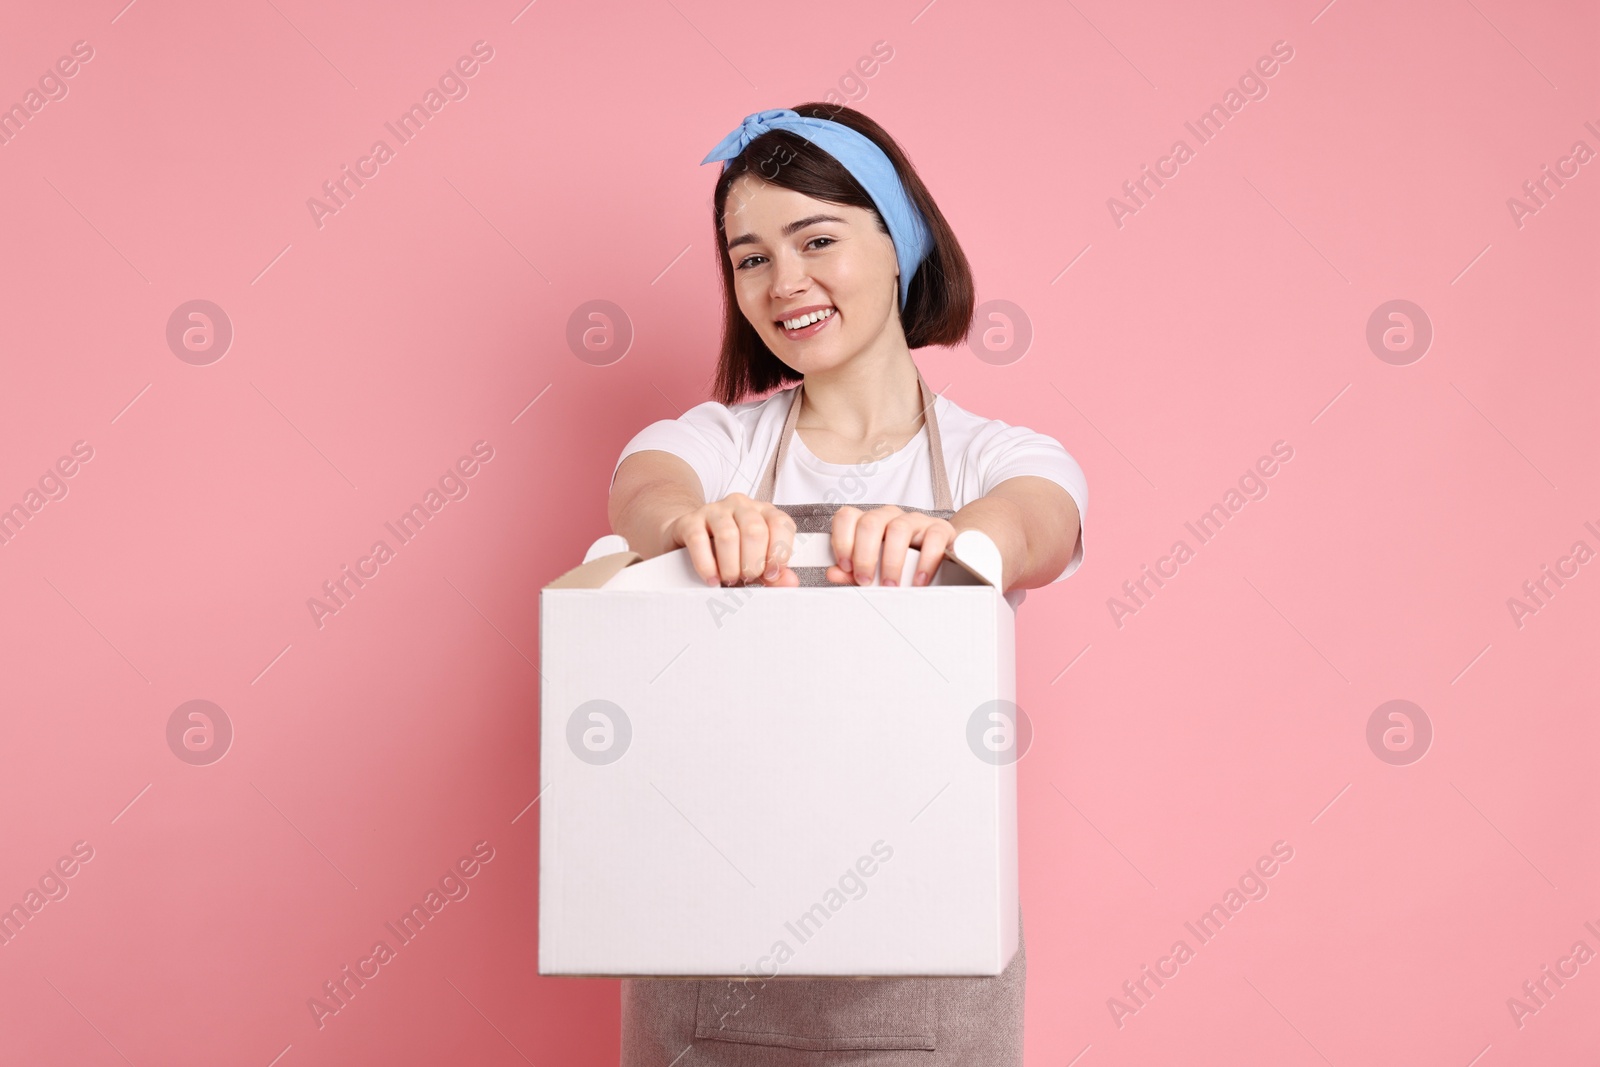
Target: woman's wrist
[1000, 520]
[667, 504]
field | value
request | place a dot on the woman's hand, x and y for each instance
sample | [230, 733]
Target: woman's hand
[737, 539]
[860, 537]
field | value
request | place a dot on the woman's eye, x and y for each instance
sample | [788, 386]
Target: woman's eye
[746, 262]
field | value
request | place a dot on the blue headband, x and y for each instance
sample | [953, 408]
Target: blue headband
[866, 163]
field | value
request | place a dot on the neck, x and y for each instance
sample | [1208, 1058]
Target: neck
[864, 399]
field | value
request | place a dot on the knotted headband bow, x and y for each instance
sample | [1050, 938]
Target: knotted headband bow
[867, 164]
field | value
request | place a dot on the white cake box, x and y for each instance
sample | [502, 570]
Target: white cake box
[777, 781]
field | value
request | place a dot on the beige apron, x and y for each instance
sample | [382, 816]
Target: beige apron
[840, 1022]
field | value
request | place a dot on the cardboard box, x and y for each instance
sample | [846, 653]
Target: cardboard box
[777, 782]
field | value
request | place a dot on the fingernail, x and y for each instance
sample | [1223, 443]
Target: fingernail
[713, 582]
[772, 572]
[844, 565]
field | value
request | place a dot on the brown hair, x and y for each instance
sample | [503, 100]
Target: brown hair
[939, 304]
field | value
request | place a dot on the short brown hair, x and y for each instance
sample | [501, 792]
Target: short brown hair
[939, 304]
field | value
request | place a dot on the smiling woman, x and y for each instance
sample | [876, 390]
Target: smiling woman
[825, 220]
[836, 263]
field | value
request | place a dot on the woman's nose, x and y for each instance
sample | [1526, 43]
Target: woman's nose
[788, 276]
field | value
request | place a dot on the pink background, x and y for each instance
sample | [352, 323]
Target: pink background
[430, 312]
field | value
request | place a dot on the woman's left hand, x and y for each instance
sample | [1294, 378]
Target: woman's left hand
[860, 538]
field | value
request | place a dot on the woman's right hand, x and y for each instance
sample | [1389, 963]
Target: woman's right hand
[737, 539]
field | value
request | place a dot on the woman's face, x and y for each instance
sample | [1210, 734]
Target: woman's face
[792, 254]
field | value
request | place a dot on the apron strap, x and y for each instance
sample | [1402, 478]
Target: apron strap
[942, 500]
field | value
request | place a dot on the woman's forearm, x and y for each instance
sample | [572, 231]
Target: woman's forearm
[646, 498]
[1033, 522]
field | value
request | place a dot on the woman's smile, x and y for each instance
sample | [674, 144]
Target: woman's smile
[810, 329]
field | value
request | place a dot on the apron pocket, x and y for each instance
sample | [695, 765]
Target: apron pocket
[819, 1014]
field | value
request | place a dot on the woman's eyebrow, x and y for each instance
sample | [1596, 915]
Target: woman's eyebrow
[793, 227]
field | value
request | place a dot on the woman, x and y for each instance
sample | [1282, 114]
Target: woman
[836, 263]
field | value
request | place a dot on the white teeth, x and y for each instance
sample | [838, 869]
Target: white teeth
[806, 320]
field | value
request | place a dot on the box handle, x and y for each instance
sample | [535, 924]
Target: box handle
[973, 549]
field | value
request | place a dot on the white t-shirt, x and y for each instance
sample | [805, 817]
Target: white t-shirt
[730, 448]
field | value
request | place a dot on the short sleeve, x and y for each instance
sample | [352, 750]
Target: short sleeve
[707, 437]
[1015, 451]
